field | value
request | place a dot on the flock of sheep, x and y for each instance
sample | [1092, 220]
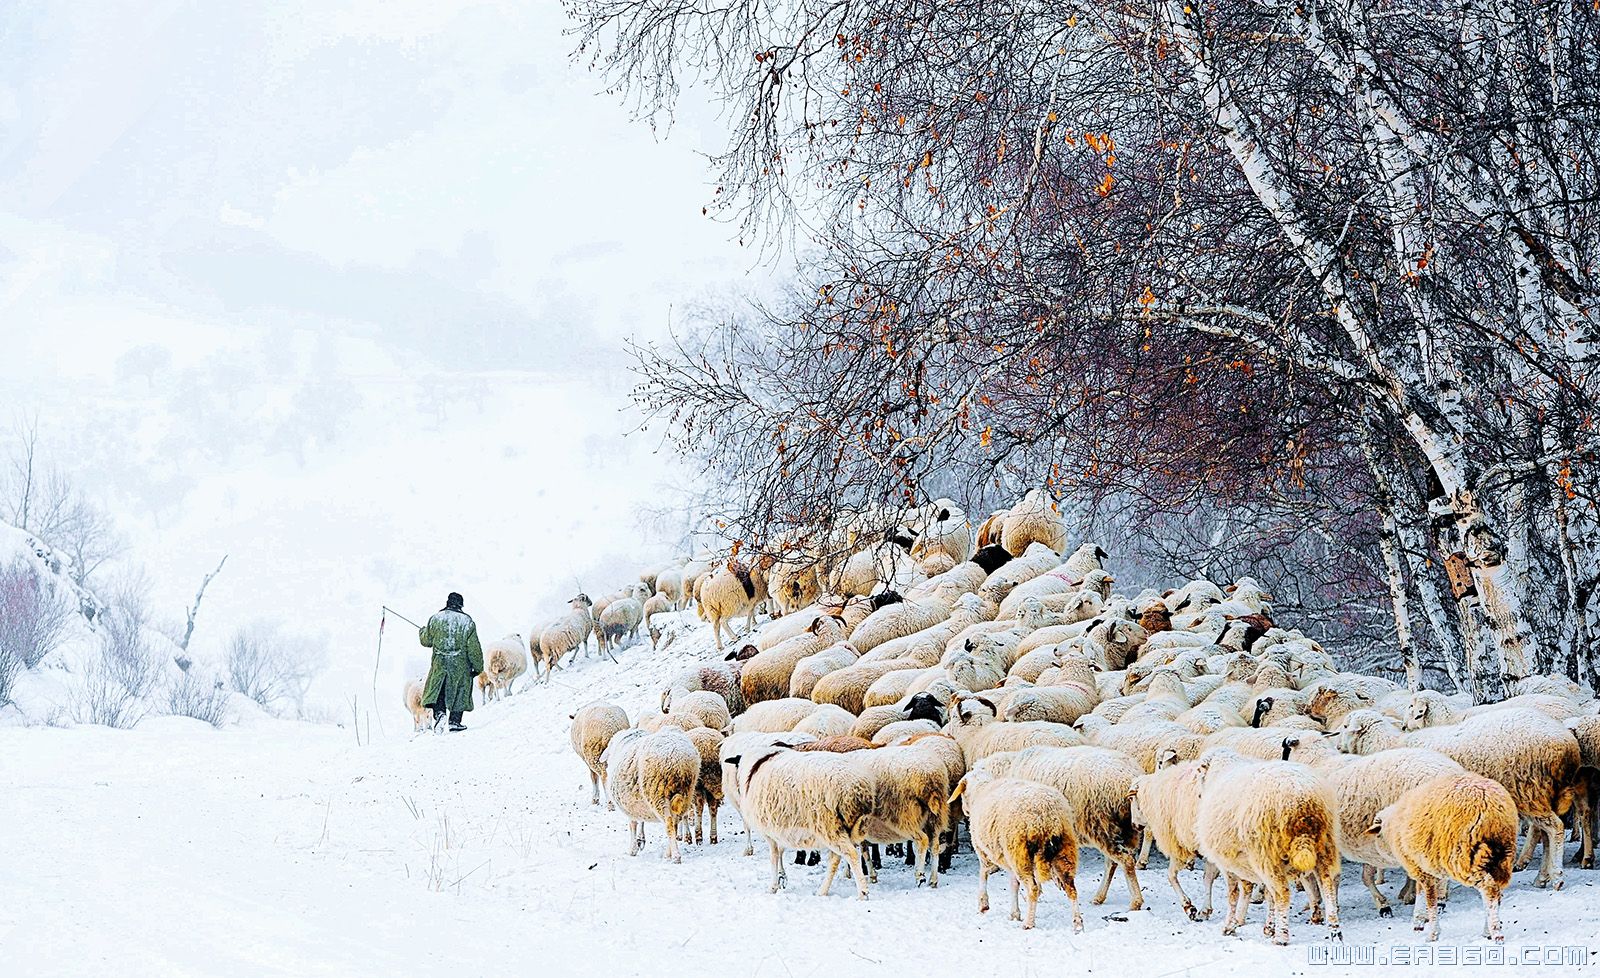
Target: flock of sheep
[939, 675]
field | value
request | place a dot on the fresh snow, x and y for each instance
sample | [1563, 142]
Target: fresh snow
[282, 848]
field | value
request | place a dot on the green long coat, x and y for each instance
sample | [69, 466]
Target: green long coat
[457, 660]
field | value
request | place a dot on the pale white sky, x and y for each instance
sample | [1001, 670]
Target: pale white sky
[340, 290]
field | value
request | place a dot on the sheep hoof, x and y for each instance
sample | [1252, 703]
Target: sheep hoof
[1097, 900]
[1556, 883]
[1015, 915]
[1192, 911]
[1077, 924]
[1281, 941]
[1419, 926]
[1335, 934]
[1385, 911]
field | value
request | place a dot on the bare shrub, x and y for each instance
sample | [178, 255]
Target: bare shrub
[273, 668]
[10, 667]
[33, 617]
[119, 682]
[189, 695]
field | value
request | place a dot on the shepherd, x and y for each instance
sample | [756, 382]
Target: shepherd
[457, 661]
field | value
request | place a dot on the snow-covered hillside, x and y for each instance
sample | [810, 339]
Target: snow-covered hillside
[280, 848]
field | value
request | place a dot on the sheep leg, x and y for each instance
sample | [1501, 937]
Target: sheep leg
[1031, 887]
[1232, 886]
[1554, 832]
[1243, 901]
[1330, 902]
[594, 787]
[749, 844]
[827, 878]
[1430, 891]
[779, 877]
[1130, 876]
[1278, 924]
[984, 868]
[1526, 839]
[713, 820]
[870, 863]
[1144, 850]
[1211, 885]
[1369, 876]
[1105, 882]
[861, 876]
[1313, 897]
[1419, 911]
[672, 837]
[1172, 877]
[1070, 886]
[1491, 906]
[1016, 885]
[1408, 891]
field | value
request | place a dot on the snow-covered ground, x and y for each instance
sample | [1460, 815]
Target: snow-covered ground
[281, 848]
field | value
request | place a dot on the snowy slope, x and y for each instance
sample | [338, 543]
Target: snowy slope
[287, 849]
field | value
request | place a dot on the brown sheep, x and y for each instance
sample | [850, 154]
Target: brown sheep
[1461, 827]
[1024, 828]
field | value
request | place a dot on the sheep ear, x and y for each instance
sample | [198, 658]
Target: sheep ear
[734, 760]
[1376, 827]
[989, 703]
[960, 790]
[1168, 758]
[572, 716]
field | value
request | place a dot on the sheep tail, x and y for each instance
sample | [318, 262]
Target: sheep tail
[1303, 853]
[1485, 854]
[1565, 796]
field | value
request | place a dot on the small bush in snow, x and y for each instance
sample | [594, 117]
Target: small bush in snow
[189, 695]
[271, 668]
[120, 681]
[10, 666]
[33, 618]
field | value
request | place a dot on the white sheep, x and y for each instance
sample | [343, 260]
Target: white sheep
[593, 726]
[503, 661]
[705, 706]
[620, 619]
[767, 675]
[1166, 803]
[732, 590]
[568, 634]
[1034, 521]
[669, 773]
[806, 800]
[903, 618]
[1096, 782]
[974, 725]
[1266, 823]
[411, 695]
[737, 744]
[813, 667]
[1362, 787]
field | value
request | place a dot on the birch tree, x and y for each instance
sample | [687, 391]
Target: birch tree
[1166, 241]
